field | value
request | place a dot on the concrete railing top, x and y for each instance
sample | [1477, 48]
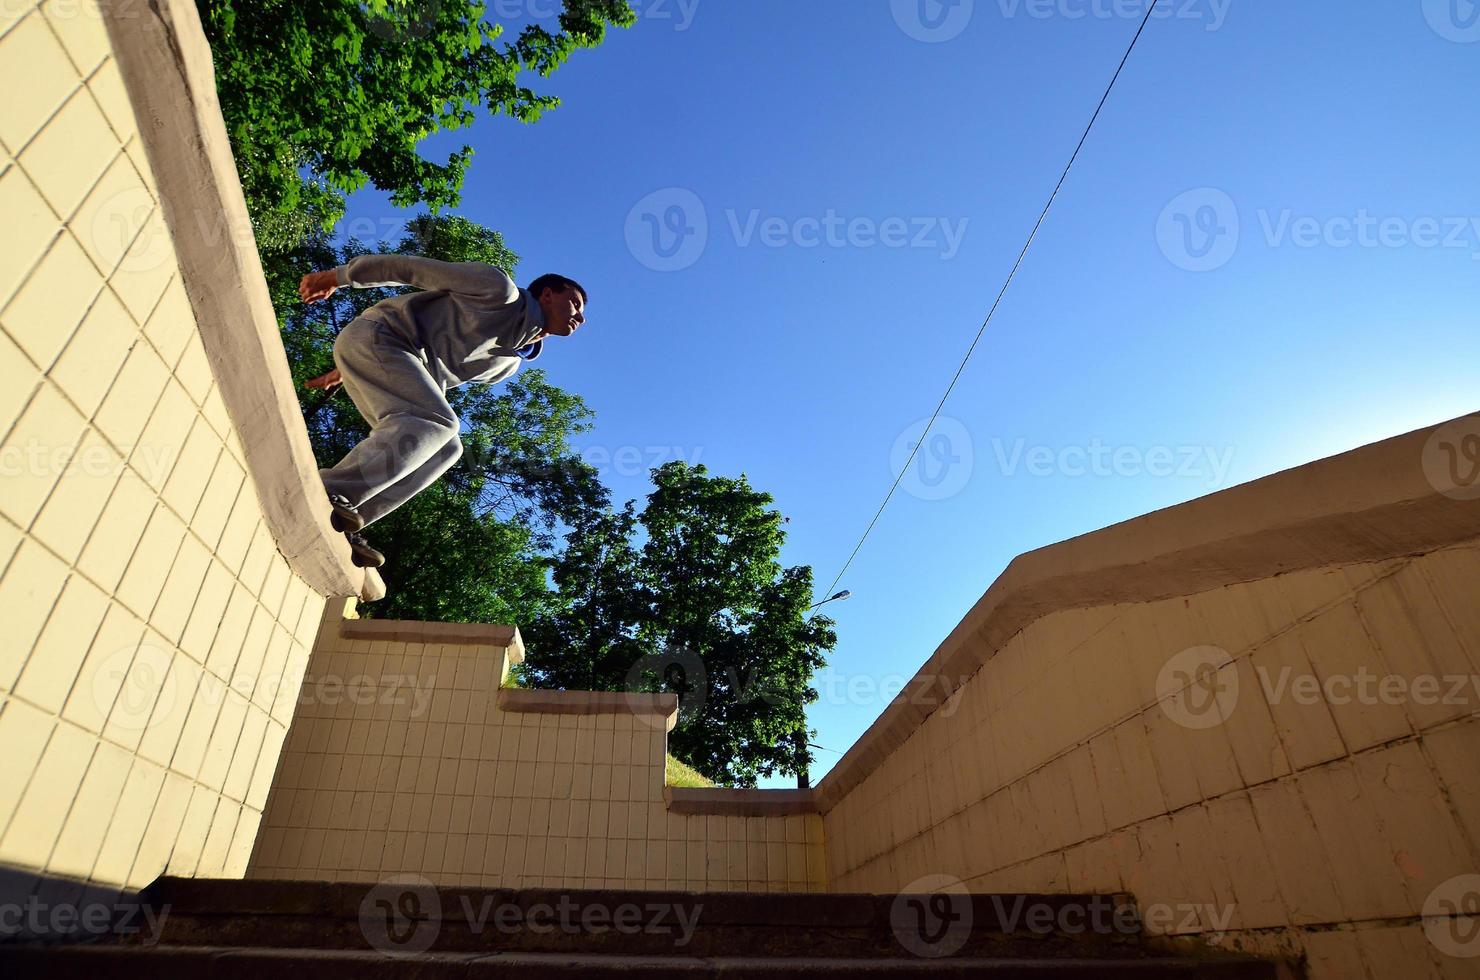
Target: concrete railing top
[1389, 499]
[661, 708]
[166, 66]
[413, 631]
[739, 802]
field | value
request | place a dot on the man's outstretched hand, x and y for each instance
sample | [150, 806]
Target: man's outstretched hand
[325, 381]
[317, 285]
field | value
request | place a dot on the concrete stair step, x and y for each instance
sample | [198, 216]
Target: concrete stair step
[117, 962]
[411, 930]
[398, 917]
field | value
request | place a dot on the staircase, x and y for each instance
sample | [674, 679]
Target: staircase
[411, 930]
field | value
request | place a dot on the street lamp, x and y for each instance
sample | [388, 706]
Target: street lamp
[800, 738]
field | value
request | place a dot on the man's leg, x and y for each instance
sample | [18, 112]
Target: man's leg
[411, 424]
[412, 484]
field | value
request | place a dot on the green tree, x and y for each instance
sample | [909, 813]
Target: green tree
[702, 608]
[590, 642]
[321, 97]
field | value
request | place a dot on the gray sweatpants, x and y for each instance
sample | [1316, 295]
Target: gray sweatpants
[413, 430]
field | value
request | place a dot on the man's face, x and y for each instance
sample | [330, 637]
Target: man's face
[564, 311]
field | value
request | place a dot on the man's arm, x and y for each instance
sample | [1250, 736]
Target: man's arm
[325, 381]
[476, 279]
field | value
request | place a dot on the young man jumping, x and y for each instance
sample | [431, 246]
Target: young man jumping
[398, 359]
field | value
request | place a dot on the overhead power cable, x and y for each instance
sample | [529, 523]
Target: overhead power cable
[1012, 274]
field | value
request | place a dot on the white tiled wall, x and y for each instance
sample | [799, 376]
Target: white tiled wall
[151, 626]
[423, 773]
[1319, 824]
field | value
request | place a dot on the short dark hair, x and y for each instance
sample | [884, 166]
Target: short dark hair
[558, 283]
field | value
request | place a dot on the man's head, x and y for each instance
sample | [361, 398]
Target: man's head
[562, 300]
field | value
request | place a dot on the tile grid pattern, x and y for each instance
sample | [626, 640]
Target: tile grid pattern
[156, 636]
[400, 762]
[1319, 824]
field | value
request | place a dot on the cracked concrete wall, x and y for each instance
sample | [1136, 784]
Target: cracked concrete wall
[1287, 765]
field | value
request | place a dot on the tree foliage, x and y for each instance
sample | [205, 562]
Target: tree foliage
[321, 97]
[702, 608]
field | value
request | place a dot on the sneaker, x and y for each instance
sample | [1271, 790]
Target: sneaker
[363, 554]
[345, 517]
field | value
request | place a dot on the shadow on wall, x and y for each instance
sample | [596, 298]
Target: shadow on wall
[46, 908]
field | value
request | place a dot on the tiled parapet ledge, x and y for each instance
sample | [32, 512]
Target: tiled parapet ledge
[166, 66]
[739, 802]
[657, 709]
[465, 782]
[411, 631]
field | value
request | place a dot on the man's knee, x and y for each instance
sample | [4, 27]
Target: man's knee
[451, 431]
[429, 427]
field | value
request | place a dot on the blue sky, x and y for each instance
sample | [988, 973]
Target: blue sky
[1269, 252]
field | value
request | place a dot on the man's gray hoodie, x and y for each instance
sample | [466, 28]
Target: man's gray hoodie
[469, 321]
